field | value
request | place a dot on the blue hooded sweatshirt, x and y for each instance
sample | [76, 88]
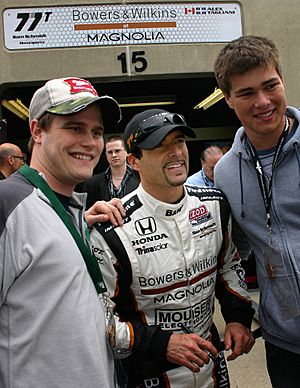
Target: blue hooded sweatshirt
[235, 175]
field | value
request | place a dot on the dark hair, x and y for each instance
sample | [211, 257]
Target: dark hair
[243, 54]
[115, 138]
[137, 152]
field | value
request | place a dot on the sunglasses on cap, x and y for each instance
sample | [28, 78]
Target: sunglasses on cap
[151, 124]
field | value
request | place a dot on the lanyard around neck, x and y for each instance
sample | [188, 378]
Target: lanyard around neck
[117, 192]
[266, 190]
[91, 262]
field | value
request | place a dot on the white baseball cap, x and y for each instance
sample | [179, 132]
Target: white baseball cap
[64, 96]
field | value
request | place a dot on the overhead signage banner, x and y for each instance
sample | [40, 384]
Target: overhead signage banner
[112, 25]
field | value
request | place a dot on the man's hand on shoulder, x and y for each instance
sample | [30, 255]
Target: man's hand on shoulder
[103, 211]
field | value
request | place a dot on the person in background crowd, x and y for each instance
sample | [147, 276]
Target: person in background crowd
[260, 177]
[209, 158]
[205, 177]
[118, 180]
[11, 159]
[52, 321]
[164, 266]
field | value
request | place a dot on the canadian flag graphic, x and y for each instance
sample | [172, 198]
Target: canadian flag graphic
[189, 10]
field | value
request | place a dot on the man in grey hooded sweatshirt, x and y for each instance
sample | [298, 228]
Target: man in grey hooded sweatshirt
[260, 176]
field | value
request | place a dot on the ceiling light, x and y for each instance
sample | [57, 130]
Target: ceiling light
[133, 104]
[17, 107]
[216, 96]
[130, 102]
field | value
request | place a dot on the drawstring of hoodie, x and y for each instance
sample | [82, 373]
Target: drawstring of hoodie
[241, 185]
[295, 145]
[266, 189]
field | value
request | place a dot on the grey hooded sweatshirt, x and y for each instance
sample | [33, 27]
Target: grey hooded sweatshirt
[235, 175]
[52, 323]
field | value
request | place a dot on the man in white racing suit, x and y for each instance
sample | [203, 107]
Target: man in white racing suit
[172, 256]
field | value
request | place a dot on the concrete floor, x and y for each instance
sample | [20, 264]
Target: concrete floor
[249, 370]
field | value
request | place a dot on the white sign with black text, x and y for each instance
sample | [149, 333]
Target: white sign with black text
[111, 25]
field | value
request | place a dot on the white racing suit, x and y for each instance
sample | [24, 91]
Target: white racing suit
[162, 268]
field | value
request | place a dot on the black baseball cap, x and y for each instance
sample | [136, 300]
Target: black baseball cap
[148, 128]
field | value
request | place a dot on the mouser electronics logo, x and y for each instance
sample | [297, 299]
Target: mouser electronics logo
[193, 316]
[145, 226]
[199, 215]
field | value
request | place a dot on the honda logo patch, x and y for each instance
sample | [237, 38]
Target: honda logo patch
[145, 226]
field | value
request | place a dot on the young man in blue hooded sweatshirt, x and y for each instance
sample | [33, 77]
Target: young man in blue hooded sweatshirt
[260, 176]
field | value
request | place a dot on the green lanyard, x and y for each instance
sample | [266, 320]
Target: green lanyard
[90, 260]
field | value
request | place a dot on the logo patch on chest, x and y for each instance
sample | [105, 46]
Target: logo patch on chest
[199, 215]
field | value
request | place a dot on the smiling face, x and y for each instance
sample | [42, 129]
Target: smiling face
[258, 99]
[163, 170]
[68, 151]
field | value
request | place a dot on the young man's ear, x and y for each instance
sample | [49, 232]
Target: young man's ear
[35, 131]
[228, 100]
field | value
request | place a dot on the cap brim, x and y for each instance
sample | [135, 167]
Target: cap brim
[111, 111]
[155, 138]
